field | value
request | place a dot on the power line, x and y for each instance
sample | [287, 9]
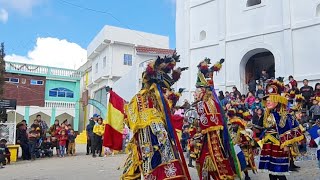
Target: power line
[108, 13]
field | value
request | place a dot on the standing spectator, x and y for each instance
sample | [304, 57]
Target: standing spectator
[43, 126]
[72, 145]
[22, 140]
[46, 148]
[264, 75]
[307, 93]
[98, 131]
[184, 139]
[252, 86]
[90, 137]
[236, 92]
[249, 100]
[54, 135]
[33, 136]
[292, 83]
[69, 128]
[315, 109]
[63, 137]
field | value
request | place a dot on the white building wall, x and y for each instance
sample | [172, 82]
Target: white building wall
[288, 29]
[118, 67]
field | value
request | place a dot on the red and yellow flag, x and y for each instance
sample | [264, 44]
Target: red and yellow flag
[114, 126]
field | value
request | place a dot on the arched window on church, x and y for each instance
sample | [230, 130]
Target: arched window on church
[318, 11]
[203, 35]
[253, 2]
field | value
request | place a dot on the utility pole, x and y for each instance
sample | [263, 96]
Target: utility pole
[3, 113]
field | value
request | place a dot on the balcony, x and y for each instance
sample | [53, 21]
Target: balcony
[37, 70]
[57, 104]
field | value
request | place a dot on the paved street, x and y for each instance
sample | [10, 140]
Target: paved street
[82, 167]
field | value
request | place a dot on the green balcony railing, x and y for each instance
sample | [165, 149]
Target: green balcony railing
[37, 70]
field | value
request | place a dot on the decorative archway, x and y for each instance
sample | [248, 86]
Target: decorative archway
[253, 62]
[102, 108]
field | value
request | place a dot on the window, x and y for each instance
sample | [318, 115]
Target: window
[97, 66]
[127, 59]
[12, 80]
[104, 61]
[253, 2]
[23, 80]
[203, 35]
[61, 92]
[318, 11]
[36, 82]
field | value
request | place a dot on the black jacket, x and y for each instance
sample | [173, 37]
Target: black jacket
[22, 136]
[307, 92]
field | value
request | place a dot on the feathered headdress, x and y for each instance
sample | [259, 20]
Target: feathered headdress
[205, 73]
[162, 71]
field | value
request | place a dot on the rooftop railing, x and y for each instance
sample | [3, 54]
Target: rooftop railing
[38, 70]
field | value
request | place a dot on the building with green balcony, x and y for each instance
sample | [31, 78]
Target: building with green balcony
[54, 93]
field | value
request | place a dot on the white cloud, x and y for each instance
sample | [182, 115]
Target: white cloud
[22, 6]
[53, 52]
[3, 15]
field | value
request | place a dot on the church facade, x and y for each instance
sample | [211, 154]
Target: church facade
[281, 37]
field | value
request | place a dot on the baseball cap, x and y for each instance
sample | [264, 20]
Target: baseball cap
[96, 115]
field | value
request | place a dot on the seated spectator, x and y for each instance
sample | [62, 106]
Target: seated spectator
[252, 86]
[260, 92]
[292, 83]
[256, 105]
[236, 92]
[4, 151]
[257, 121]
[46, 148]
[249, 100]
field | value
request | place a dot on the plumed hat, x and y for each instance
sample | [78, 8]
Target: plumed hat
[162, 71]
[273, 92]
[205, 73]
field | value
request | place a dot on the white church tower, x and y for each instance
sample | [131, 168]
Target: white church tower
[280, 36]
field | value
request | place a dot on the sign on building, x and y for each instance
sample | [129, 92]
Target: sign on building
[8, 104]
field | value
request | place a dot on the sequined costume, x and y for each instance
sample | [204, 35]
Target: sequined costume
[277, 135]
[214, 160]
[154, 150]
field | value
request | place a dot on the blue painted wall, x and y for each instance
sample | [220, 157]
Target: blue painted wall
[73, 86]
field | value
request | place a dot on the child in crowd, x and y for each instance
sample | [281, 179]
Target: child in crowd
[184, 139]
[98, 131]
[68, 128]
[4, 153]
[34, 135]
[62, 142]
[72, 146]
[315, 109]
[256, 105]
[46, 148]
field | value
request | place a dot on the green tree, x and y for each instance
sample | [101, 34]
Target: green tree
[2, 69]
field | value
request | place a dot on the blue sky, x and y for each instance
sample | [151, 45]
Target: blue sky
[23, 21]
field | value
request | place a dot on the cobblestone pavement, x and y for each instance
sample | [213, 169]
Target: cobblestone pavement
[82, 167]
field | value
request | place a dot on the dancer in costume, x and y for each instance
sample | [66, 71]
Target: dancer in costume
[277, 136]
[242, 135]
[214, 160]
[297, 130]
[154, 150]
